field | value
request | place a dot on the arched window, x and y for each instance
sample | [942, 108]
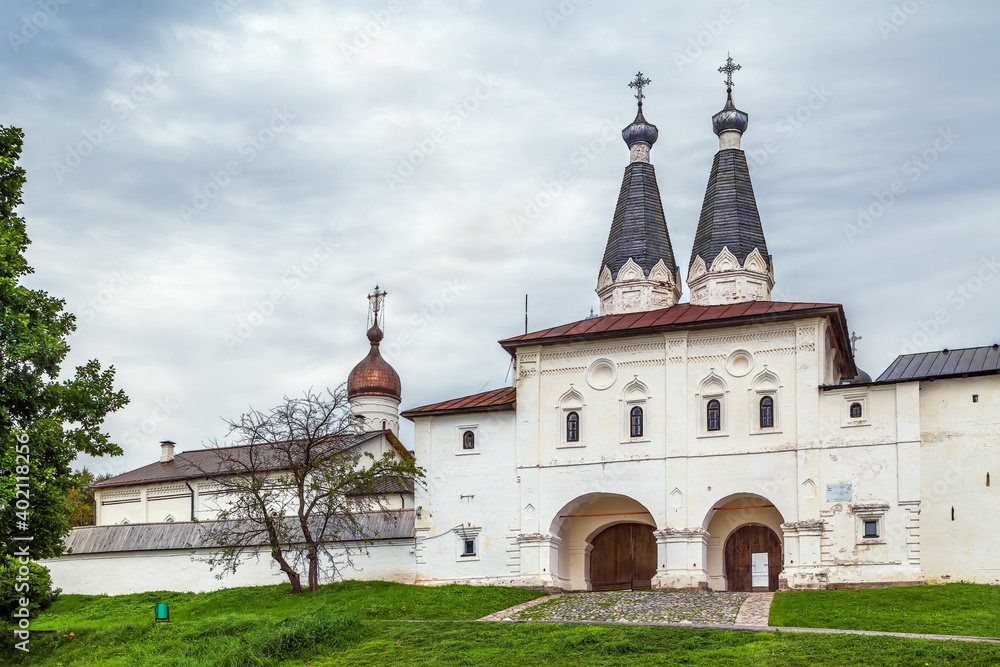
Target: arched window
[572, 427]
[855, 410]
[714, 415]
[468, 440]
[767, 412]
[635, 422]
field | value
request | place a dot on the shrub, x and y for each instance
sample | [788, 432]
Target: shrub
[39, 591]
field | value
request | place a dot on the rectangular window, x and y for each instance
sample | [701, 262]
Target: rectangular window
[871, 528]
[469, 548]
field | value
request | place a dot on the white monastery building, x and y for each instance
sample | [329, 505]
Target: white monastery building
[727, 443]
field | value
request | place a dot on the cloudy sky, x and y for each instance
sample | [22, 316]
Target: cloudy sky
[215, 185]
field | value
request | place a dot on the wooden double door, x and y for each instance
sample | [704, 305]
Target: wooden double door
[623, 558]
[753, 559]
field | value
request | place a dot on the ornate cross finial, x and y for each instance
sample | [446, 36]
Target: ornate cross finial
[854, 342]
[375, 305]
[639, 83]
[729, 69]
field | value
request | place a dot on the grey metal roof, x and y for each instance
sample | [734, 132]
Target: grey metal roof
[206, 462]
[396, 524]
[639, 228]
[729, 217]
[944, 363]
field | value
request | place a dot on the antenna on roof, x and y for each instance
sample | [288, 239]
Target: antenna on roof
[525, 314]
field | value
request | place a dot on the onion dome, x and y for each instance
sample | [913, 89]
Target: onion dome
[640, 130]
[374, 376]
[730, 118]
[861, 378]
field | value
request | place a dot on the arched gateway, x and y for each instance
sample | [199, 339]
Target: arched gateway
[745, 551]
[607, 543]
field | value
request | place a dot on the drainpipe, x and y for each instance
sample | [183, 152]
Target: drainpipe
[191, 489]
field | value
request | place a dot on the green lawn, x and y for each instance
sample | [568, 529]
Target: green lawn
[365, 623]
[951, 609]
[375, 600]
[322, 639]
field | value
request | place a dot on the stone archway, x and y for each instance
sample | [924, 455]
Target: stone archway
[753, 558]
[735, 515]
[587, 528]
[623, 558]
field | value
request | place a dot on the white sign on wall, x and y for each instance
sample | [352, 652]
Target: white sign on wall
[836, 493]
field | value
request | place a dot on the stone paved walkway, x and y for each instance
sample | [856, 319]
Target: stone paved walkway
[716, 611]
[631, 607]
[756, 610]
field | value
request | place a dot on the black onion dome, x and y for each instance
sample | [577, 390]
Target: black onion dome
[730, 118]
[374, 376]
[640, 130]
[861, 378]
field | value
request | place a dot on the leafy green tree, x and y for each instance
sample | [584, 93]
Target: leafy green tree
[45, 422]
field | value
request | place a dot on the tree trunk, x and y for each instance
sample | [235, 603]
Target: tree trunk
[313, 570]
[293, 576]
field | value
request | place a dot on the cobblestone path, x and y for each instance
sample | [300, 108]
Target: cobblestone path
[635, 606]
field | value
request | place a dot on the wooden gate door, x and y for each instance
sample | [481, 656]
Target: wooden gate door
[740, 546]
[623, 557]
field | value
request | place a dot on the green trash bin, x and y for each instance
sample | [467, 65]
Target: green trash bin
[161, 613]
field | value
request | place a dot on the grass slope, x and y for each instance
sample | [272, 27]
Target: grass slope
[499, 644]
[319, 639]
[376, 600]
[240, 626]
[951, 609]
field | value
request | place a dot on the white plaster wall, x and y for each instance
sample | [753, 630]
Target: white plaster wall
[146, 571]
[475, 490]
[960, 445]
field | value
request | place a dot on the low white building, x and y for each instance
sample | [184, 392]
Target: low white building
[727, 443]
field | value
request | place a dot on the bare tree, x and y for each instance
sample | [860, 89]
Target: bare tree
[298, 482]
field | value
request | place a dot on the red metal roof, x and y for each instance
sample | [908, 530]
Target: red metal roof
[675, 316]
[496, 399]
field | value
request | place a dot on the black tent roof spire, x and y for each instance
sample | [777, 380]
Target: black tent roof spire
[729, 259]
[638, 272]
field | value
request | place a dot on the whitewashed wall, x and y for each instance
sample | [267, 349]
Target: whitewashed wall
[960, 446]
[146, 571]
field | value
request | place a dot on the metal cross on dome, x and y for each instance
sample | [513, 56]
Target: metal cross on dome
[375, 304]
[639, 83]
[854, 342]
[729, 69]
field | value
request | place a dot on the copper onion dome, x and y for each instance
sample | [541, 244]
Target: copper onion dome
[373, 376]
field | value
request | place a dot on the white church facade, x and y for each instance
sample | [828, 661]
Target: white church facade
[728, 443]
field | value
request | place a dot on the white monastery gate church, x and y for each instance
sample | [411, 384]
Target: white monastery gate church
[727, 443]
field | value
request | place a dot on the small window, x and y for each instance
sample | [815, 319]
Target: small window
[572, 427]
[635, 422]
[767, 412]
[975, 398]
[871, 528]
[469, 548]
[468, 440]
[714, 415]
[856, 411]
